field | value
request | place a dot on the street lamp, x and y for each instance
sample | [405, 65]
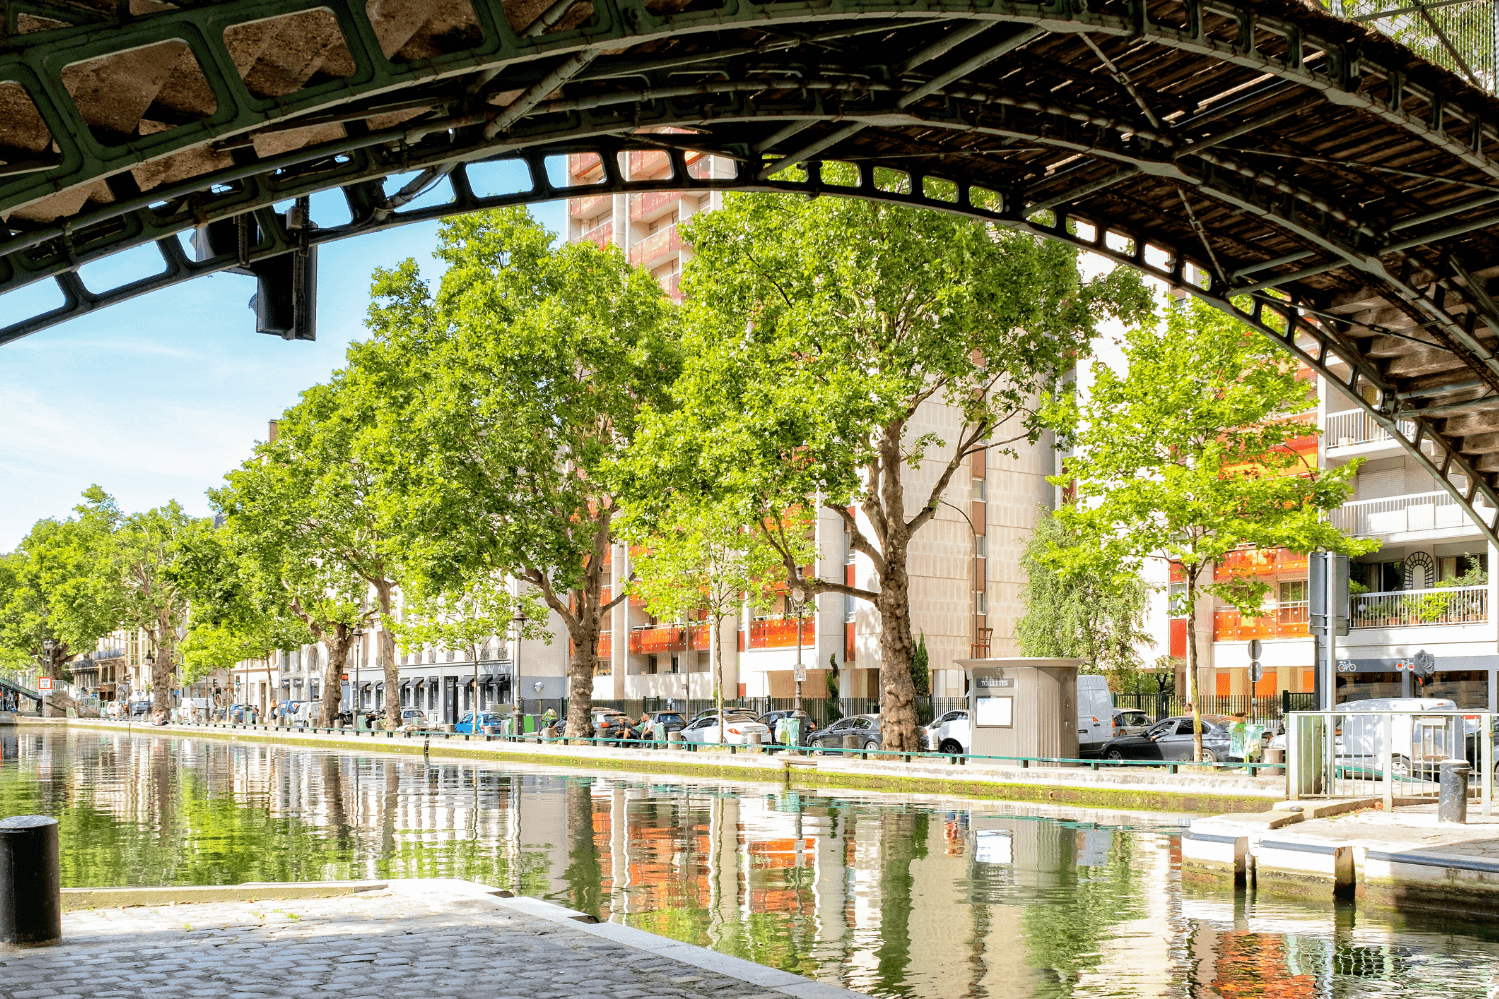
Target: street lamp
[515, 713]
[972, 599]
[799, 597]
[48, 646]
[357, 708]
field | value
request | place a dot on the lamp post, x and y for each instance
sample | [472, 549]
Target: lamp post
[973, 600]
[150, 662]
[358, 655]
[799, 596]
[47, 646]
[515, 713]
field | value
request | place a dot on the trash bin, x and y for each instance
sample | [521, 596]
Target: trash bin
[1452, 800]
[674, 740]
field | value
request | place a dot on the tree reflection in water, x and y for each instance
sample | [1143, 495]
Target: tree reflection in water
[948, 898]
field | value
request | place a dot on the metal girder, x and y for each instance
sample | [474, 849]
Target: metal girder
[1197, 137]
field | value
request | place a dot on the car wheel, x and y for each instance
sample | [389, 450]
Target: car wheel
[1208, 756]
[819, 745]
[1114, 755]
[871, 744]
[951, 747]
[1400, 766]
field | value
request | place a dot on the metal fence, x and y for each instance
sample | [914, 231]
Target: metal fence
[1392, 755]
[1456, 34]
[822, 710]
[1260, 709]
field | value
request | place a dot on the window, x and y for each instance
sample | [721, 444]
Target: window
[1176, 600]
[1293, 591]
[978, 602]
[994, 712]
[978, 489]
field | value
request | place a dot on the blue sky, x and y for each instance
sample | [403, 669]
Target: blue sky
[157, 398]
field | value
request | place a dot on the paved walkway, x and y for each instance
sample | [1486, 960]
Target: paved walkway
[411, 939]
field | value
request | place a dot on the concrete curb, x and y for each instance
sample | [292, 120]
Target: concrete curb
[1128, 788]
[74, 899]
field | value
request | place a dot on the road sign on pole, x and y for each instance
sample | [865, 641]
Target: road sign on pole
[1256, 671]
[44, 683]
[1255, 648]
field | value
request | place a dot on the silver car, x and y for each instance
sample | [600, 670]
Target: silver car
[738, 728]
[1130, 721]
[949, 733]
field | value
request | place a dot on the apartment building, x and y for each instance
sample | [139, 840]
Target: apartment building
[1428, 587]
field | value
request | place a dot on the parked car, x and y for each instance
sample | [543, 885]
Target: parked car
[738, 726]
[1130, 721]
[1170, 740]
[948, 733]
[674, 721]
[611, 724]
[415, 717]
[138, 708]
[771, 718]
[866, 727]
[466, 723]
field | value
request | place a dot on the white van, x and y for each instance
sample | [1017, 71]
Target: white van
[1095, 714]
[1417, 741]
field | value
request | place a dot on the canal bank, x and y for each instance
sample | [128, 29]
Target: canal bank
[1192, 789]
[1403, 858]
[416, 938]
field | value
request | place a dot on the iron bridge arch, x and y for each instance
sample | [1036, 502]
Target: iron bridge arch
[1321, 182]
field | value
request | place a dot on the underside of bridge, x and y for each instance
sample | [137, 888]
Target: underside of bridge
[1333, 189]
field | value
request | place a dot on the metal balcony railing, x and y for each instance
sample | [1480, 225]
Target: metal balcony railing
[587, 208]
[1405, 608]
[1401, 514]
[655, 246]
[1354, 426]
[1287, 620]
[603, 235]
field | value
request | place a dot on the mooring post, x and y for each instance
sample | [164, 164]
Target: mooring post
[30, 882]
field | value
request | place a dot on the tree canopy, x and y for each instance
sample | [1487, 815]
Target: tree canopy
[818, 330]
[1187, 455]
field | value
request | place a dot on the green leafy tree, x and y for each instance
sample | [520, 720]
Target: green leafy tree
[306, 542]
[921, 669]
[52, 589]
[510, 395]
[818, 331]
[704, 560]
[1096, 617]
[1186, 457]
[144, 555]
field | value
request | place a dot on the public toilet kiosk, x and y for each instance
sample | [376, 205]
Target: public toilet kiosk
[1023, 706]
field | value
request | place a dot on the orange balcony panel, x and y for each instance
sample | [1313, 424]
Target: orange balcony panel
[665, 638]
[587, 208]
[659, 244]
[585, 168]
[651, 203]
[780, 633]
[848, 642]
[699, 637]
[601, 235]
[672, 285]
[649, 164]
[1179, 638]
[606, 644]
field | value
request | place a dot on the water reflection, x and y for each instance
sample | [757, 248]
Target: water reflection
[930, 897]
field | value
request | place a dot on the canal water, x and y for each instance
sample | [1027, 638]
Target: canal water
[892, 895]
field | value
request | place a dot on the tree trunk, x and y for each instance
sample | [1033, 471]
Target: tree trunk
[1192, 666]
[161, 671]
[897, 647]
[717, 668]
[387, 654]
[338, 642]
[580, 672]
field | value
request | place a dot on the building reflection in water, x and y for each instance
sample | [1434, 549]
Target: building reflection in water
[897, 897]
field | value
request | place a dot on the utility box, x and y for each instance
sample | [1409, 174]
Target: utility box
[1023, 707]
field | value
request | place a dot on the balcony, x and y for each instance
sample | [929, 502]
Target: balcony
[1354, 427]
[603, 235]
[1407, 608]
[1262, 562]
[585, 168]
[672, 285]
[652, 204]
[587, 208]
[669, 638]
[656, 247]
[780, 633]
[1404, 515]
[1287, 620]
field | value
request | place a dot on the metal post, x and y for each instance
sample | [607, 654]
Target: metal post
[1387, 762]
[798, 594]
[1486, 763]
[30, 882]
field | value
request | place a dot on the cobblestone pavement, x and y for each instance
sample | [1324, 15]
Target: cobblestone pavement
[412, 940]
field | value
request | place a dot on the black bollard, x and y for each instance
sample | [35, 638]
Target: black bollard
[1452, 799]
[30, 882]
